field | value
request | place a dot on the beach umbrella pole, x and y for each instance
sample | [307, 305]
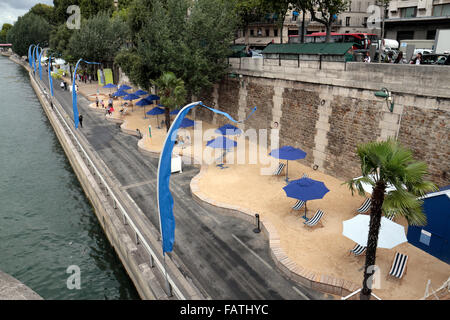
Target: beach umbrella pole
[287, 171]
[304, 217]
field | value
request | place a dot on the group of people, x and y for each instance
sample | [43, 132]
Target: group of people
[84, 77]
[418, 59]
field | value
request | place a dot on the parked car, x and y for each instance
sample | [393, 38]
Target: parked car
[437, 59]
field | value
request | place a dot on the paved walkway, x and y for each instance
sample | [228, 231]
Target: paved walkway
[13, 289]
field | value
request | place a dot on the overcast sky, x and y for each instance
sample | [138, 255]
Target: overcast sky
[10, 10]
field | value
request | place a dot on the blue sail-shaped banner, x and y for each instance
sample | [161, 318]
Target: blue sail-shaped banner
[164, 196]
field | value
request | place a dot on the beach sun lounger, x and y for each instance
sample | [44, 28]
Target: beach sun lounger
[280, 169]
[358, 250]
[389, 215]
[365, 206]
[399, 265]
[298, 205]
[315, 219]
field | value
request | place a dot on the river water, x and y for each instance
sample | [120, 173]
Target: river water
[46, 222]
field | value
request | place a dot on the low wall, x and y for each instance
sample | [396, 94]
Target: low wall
[13, 289]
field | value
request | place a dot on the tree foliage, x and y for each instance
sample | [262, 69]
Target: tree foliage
[99, 38]
[4, 32]
[28, 29]
[194, 47]
[88, 8]
[172, 93]
[45, 11]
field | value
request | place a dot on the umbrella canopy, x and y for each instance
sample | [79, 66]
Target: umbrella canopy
[288, 153]
[109, 86]
[140, 92]
[124, 87]
[306, 189]
[186, 123]
[174, 112]
[228, 129]
[131, 97]
[152, 97]
[221, 143]
[119, 93]
[155, 111]
[357, 229]
[143, 103]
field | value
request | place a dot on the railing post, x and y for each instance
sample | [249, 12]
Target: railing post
[258, 228]
[152, 262]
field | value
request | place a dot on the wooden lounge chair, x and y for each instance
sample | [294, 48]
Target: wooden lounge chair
[315, 219]
[280, 169]
[365, 206]
[358, 250]
[399, 265]
[298, 205]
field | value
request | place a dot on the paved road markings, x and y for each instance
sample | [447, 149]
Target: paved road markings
[301, 293]
[252, 252]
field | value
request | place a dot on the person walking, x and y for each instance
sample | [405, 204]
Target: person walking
[399, 58]
[367, 58]
[96, 101]
[80, 118]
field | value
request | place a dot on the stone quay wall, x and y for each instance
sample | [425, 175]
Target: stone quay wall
[328, 111]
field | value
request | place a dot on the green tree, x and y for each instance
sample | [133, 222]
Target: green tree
[59, 41]
[4, 32]
[99, 39]
[28, 29]
[323, 11]
[280, 8]
[45, 11]
[172, 93]
[88, 8]
[389, 163]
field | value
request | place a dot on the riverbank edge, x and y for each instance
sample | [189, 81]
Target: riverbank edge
[13, 289]
[141, 273]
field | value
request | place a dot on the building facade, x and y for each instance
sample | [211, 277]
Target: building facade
[267, 30]
[417, 19]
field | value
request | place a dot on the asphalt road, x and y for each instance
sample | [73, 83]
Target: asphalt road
[222, 255]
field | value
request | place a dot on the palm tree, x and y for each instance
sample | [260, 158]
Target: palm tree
[383, 163]
[171, 91]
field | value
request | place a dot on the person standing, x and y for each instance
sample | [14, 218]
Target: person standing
[80, 118]
[399, 58]
[96, 101]
[367, 58]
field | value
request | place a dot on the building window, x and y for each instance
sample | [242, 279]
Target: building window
[275, 32]
[347, 21]
[441, 10]
[252, 32]
[294, 17]
[365, 21]
[267, 32]
[350, 6]
[431, 34]
[408, 12]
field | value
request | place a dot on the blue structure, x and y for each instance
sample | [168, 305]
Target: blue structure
[434, 238]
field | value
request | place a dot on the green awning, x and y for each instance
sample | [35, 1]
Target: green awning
[238, 51]
[338, 49]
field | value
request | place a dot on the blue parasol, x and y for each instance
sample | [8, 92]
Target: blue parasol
[221, 143]
[186, 123]
[288, 153]
[174, 112]
[229, 130]
[306, 189]
[119, 93]
[124, 87]
[140, 92]
[156, 111]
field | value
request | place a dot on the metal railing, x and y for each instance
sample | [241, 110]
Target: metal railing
[139, 238]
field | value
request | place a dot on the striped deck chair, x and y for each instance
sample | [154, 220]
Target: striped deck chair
[280, 169]
[390, 215]
[298, 205]
[315, 219]
[365, 206]
[357, 250]
[399, 265]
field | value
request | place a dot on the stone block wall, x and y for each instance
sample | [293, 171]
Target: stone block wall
[298, 123]
[259, 94]
[427, 133]
[352, 122]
